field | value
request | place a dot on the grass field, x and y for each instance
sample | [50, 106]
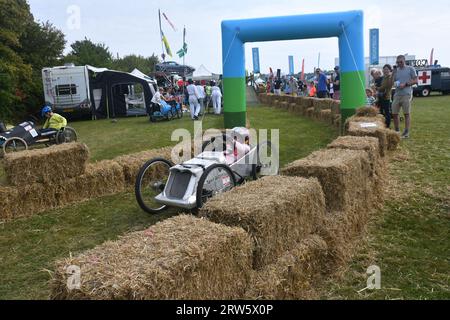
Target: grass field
[408, 240]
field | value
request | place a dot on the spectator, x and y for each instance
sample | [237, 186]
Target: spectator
[370, 101]
[322, 91]
[201, 97]
[294, 86]
[216, 96]
[384, 93]
[377, 77]
[404, 78]
[193, 100]
[312, 89]
[208, 95]
[337, 84]
[277, 86]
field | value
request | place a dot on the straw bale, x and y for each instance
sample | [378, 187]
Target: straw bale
[276, 211]
[336, 107]
[367, 112]
[354, 128]
[177, 259]
[393, 139]
[343, 175]
[294, 275]
[35, 198]
[284, 105]
[132, 163]
[275, 103]
[326, 115]
[9, 201]
[294, 108]
[310, 112]
[101, 179]
[48, 165]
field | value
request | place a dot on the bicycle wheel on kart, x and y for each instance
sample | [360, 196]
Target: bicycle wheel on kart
[14, 145]
[169, 115]
[217, 179]
[150, 182]
[66, 136]
[267, 161]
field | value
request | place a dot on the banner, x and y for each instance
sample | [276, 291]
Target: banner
[374, 47]
[183, 51]
[303, 71]
[169, 22]
[256, 66]
[291, 65]
[166, 44]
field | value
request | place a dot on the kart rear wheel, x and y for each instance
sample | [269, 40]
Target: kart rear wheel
[217, 179]
[66, 136]
[150, 182]
[267, 161]
[14, 145]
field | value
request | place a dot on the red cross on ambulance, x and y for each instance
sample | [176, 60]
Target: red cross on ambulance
[424, 78]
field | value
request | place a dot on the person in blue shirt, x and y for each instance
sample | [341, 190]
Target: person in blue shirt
[322, 90]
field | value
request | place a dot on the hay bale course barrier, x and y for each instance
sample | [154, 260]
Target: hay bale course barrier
[278, 212]
[8, 202]
[47, 165]
[294, 275]
[368, 126]
[343, 175]
[181, 258]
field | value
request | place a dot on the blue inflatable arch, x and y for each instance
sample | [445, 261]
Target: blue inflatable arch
[347, 26]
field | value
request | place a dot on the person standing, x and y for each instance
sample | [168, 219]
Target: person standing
[277, 86]
[404, 78]
[321, 84]
[208, 95]
[294, 86]
[384, 93]
[337, 84]
[201, 97]
[193, 99]
[216, 96]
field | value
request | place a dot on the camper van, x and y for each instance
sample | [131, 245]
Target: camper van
[97, 92]
[67, 89]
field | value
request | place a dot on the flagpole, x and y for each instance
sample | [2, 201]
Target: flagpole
[161, 35]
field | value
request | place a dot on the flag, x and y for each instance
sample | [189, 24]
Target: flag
[166, 44]
[171, 24]
[183, 51]
[303, 71]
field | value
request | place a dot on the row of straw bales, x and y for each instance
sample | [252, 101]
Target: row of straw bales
[274, 238]
[54, 177]
[326, 110]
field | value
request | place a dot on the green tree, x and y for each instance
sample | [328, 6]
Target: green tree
[15, 75]
[131, 62]
[86, 52]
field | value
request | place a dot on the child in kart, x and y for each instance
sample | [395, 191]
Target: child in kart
[238, 149]
[53, 123]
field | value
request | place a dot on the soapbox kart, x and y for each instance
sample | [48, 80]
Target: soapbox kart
[223, 164]
[165, 111]
[26, 134]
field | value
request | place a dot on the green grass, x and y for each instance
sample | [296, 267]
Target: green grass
[410, 239]
[29, 247]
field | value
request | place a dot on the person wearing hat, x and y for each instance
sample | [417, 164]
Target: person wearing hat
[193, 99]
[337, 84]
[53, 123]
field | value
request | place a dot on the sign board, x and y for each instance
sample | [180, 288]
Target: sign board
[291, 65]
[256, 66]
[417, 63]
[424, 78]
[374, 47]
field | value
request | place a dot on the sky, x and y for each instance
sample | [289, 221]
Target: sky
[406, 27]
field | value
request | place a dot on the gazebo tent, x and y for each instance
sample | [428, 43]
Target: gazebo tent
[204, 74]
[113, 86]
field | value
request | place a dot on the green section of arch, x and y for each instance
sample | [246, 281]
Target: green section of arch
[353, 93]
[235, 119]
[234, 99]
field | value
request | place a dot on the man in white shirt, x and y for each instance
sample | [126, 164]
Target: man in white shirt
[201, 97]
[193, 99]
[156, 102]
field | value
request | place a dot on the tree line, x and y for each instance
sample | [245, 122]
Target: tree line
[27, 46]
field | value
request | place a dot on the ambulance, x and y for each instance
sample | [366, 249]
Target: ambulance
[432, 79]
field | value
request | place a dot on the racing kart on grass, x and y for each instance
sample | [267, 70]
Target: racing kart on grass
[26, 134]
[225, 162]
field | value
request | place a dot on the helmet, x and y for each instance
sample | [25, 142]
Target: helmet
[45, 110]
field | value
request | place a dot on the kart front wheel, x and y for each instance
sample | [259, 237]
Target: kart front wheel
[217, 179]
[14, 145]
[150, 182]
[66, 136]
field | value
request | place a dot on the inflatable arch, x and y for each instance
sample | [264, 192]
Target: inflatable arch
[347, 26]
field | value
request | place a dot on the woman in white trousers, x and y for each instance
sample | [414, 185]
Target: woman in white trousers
[193, 100]
[216, 96]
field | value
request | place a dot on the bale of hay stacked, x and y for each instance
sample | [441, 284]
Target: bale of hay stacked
[310, 112]
[336, 120]
[368, 126]
[335, 107]
[343, 175]
[49, 165]
[132, 163]
[294, 275]
[278, 212]
[9, 201]
[325, 115]
[100, 179]
[367, 112]
[393, 139]
[181, 258]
